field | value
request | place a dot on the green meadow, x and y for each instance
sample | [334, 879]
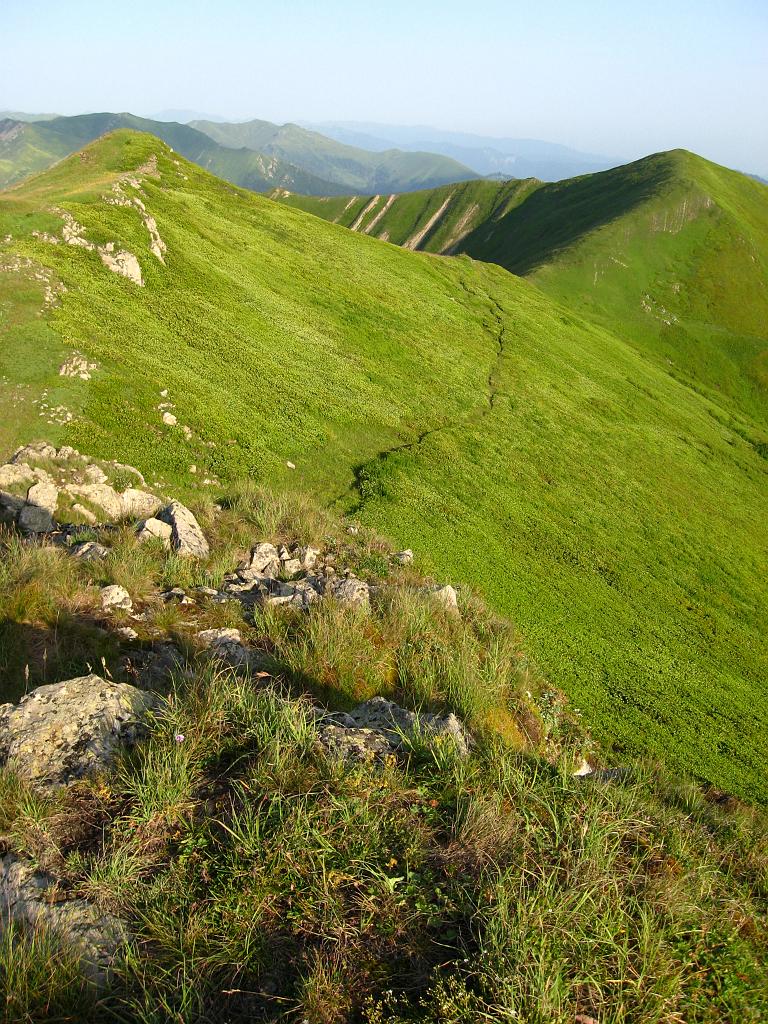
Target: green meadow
[521, 446]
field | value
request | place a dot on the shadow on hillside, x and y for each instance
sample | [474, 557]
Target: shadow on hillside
[557, 215]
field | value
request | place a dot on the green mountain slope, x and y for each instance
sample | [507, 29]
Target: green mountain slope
[602, 504]
[28, 148]
[670, 251]
[348, 166]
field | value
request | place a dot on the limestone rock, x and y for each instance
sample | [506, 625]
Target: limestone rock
[227, 645]
[95, 474]
[89, 551]
[115, 598]
[123, 263]
[43, 495]
[139, 504]
[84, 513]
[379, 726]
[186, 537]
[33, 899]
[103, 496]
[64, 731]
[16, 475]
[404, 557]
[33, 452]
[349, 590]
[264, 560]
[155, 529]
[447, 597]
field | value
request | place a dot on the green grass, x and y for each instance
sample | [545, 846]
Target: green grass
[261, 879]
[617, 515]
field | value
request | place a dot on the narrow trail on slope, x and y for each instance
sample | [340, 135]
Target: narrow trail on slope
[497, 328]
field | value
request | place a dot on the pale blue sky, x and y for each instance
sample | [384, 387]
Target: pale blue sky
[609, 76]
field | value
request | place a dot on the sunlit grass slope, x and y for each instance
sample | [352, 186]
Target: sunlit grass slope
[604, 506]
[670, 252]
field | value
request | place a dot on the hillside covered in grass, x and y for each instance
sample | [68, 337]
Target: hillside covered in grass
[670, 252]
[611, 511]
[227, 859]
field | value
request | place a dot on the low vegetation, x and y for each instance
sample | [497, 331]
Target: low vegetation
[263, 879]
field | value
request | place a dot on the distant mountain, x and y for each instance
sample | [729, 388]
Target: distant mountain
[353, 167]
[185, 116]
[27, 148]
[670, 251]
[18, 115]
[512, 158]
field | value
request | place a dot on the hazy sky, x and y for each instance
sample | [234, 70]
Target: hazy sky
[609, 76]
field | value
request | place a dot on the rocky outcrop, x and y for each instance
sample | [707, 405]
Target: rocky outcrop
[68, 730]
[379, 728]
[186, 536]
[35, 899]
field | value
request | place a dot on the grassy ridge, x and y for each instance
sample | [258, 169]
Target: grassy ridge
[670, 252]
[601, 504]
[346, 166]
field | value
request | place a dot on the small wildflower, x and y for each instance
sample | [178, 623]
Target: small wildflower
[179, 737]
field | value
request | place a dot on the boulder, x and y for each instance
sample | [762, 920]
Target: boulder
[34, 519]
[103, 496]
[264, 561]
[226, 645]
[10, 507]
[12, 475]
[155, 529]
[186, 536]
[43, 495]
[394, 724]
[115, 598]
[85, 513]
[349, 590]
[139, 504]
[446, 596]
[64, 731]
[34, 899]
[95, 474]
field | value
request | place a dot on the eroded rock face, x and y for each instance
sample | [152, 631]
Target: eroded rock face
[67, 730]
[32, 898]
[186, 536]
[103, 496]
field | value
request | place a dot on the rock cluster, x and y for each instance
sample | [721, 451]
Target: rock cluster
[295, 576]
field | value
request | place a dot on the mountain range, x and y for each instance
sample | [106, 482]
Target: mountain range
[257, 155]
[581, 439]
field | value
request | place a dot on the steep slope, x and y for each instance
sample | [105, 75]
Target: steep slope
[433, 220]
[595, 499]
[27, 148]
[670, 252]
[346, 166]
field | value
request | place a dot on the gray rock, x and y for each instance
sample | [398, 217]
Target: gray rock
[155, 529]
[103, 496]
[351, 591]
[34, 519]
[308, 557]
[44, 495]
[139, 504]
[186, 538]
[34, 899]
[226, 645]
[95, 474]
[446, 596]
[34, 452]
[403, 557]
[10, 507]
[68, 730]
[89, 551]
[116, 598]
[352, 744]
[292, 566]
[264, 560]
[12, 475]
[395, 723]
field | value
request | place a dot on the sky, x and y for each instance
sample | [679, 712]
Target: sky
[611, 77]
